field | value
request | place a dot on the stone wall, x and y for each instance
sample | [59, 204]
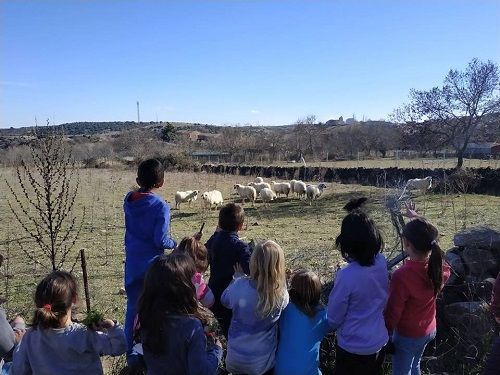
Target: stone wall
[487, 181]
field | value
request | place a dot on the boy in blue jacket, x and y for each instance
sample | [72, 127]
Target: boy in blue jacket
[225, 250]
[147, 220]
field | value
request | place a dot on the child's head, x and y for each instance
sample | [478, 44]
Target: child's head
[231, 217]
[54, 296]
[305, 291]
[150, 174]
[359, 238]
[196, 250]
[168, 289]
[267, 269]
[420, 238]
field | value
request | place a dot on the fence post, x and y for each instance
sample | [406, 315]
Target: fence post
[85, 279]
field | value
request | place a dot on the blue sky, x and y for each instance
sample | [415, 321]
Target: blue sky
[226, 62]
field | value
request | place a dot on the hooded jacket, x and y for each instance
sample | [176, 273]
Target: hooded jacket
[147, 221]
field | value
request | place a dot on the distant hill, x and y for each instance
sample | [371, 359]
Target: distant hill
[75, 128]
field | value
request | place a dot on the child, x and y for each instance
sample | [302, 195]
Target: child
[411, 310]
[56, 345]
[302, 326]
[225, 250]
[147, 220]
[493, 361]
[257, 302]
[198, 252]
[172, 334]
[357, 300]
[11, 334]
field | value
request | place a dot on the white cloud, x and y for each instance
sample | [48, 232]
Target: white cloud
[255, 112]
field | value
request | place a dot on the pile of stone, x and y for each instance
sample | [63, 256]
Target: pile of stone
[465, 324]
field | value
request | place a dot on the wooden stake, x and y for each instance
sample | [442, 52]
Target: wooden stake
[85, 279]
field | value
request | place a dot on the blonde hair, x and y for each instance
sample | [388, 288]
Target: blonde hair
[267, 269]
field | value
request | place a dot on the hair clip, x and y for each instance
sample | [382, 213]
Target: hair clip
[47, 306]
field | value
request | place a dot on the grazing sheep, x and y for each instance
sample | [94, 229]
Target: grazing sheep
[292, 182]
[314, 192]
[267, 195]
[281, 188]
[246, 192]
[212, 197]
[422, 184]
[299, 188]
[258, 180]
[185, 196]
[259, 186]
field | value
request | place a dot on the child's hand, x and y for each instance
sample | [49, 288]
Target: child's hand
[218, 343]
[411, 211]
[103, 325]
[238, 271]
[19, 333]
[197, 236]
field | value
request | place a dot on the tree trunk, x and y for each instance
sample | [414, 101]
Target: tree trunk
[460, 159]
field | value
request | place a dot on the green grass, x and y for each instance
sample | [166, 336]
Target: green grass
[305, 232]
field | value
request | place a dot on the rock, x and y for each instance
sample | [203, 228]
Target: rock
[122, 292]
[479, 237]
[479, 262]
[456, 264]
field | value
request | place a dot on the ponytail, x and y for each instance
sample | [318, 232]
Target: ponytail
[435, 267]
[54, 296]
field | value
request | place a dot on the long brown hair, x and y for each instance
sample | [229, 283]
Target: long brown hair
[54, 296]
[196, 250]
[305, 291]
[424, 236]
[267, 269]
[168, 289]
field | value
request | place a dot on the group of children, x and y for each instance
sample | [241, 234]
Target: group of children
[273, 322]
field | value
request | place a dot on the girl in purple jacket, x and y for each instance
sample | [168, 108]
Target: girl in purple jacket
[357, 300]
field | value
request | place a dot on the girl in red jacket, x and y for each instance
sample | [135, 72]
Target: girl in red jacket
[410, 314]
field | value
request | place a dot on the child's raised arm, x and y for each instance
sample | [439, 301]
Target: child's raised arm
[338, 302]
[112, 342]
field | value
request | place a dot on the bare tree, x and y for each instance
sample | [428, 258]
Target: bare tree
[455, 111]
[44, 206]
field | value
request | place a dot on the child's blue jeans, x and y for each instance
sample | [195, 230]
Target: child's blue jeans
[408, 352]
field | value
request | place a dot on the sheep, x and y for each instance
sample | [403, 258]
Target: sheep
[246, 192]
[267, 195]
[259, 186]
[258, 180]
[292, 182]
[185, 196]
[212, 197]
[422, 184]
[281, 188]
[299, 188]
[314, 191]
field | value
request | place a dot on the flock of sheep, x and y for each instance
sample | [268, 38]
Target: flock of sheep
[270, 191]
[250, 192]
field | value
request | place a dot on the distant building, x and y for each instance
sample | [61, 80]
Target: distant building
[482, 150]
[351, 120]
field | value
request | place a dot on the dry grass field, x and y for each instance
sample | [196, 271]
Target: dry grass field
[305, 232]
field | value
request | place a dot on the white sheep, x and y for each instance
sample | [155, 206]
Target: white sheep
[281, 188]
[185, 196]
[258, 180]
[422, 184]
[267, 195]
[292, 182]
[299, 188]
[246, 192]
[212, 197]
[259, 186]
[314, 191]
